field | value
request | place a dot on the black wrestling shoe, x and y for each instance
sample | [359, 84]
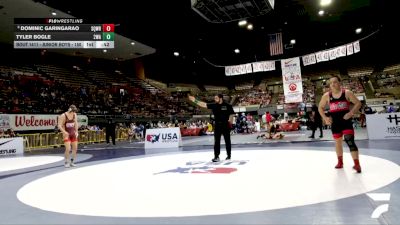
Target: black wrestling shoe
[215, 159]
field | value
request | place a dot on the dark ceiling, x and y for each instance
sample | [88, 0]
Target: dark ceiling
[170, 26]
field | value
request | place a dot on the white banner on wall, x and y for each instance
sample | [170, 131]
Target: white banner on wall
[356, 46]
[343, 51]
[263, 66]
[321, 56]
[333, 53]
[163, 138]
[11, 146]
[350, 49]
[292, 82]
[239, 69]
[325, 55]
[25, 122]
[309, 59]
[293, 98]
[383, 126]
[338, 52]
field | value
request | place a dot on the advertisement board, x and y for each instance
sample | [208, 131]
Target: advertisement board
[383, 126]
[163, 138]
[11, 146]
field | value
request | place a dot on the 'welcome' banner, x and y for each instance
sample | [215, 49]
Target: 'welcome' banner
[25, 122]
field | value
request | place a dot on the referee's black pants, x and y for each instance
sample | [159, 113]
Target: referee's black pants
[222, 129]
[112, 135]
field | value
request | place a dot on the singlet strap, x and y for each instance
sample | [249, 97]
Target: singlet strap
[342, 95]
[67, 116]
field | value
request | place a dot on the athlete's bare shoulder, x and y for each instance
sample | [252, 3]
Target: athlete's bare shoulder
[62, 116]
[348, 92]
[325, 95]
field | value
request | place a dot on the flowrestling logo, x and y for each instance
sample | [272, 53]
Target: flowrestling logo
[202, 167]
[5, 142]
[7, 150]
[162, 137]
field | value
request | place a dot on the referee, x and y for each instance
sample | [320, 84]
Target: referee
[223, 115]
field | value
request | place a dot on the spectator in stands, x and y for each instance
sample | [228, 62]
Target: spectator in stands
[391, 108]
[268, 119]
[362, 117]
[368, 110]
[68, 124]
[384, 110]
[10, 133]
[148, 126]
[275, 115]
[223, 114]
[243, 125]
[257, 126]
[209, 128]
[286, 116]
[130, 132]
[38, 95]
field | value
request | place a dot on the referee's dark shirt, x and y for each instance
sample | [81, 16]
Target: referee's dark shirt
[221, 112]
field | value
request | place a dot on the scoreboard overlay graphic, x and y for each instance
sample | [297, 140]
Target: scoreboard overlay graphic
[62, 33]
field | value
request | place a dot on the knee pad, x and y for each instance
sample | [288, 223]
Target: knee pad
[349, 139]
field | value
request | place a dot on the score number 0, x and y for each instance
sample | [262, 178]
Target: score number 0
[108, 32]
[108, 27]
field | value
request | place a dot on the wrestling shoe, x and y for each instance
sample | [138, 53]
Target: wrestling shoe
[357, 168]
[339, 165]
[215, 159]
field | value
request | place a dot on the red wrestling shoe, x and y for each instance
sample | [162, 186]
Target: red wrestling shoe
[340, 163]
[357, 166]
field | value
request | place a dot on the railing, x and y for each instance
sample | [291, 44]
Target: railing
[53, 140]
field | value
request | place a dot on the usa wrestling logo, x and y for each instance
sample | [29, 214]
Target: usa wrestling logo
[152, 138]
[201, 167]
[162, 137]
